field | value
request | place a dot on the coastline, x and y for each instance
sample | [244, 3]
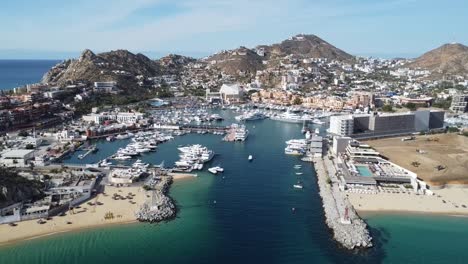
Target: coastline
[84, 218]
[366, 213]
[445, 202]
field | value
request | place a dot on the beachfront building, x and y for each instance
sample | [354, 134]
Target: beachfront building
[340, 144]
[66, 190]
[361, 168]
[124, 176]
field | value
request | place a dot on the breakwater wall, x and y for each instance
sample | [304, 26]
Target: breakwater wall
[159, 206]
[349, 230]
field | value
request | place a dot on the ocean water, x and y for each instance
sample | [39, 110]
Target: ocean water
[251, 221]
[15, 73]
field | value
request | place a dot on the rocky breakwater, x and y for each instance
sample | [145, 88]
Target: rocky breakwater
[159, 206]
[348, 228]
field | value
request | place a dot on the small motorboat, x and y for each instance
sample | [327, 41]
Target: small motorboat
[250, 157]
[299, 173]
[298, 186]
[213, 170]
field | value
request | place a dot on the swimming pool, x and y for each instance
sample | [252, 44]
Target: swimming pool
[364, 171]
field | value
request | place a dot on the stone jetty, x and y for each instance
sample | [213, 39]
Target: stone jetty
[159, 206]
[348, 228]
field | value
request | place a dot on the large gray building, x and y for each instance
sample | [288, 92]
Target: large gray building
[387, 124]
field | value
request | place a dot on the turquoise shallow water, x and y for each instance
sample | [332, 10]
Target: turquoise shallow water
[251, 221]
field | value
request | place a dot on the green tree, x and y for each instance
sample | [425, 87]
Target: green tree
[387, 108]
[453, 130]
[411, 106]
[297, 101]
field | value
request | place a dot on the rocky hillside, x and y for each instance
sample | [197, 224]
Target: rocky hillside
[237, 62]
[447, 59]
[123, 66]
[173, 63]
[14, 188]
[306, 46]
[119, 65]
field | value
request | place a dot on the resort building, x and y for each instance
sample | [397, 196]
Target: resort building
[376, 125]
[342, 125]
[361, 167]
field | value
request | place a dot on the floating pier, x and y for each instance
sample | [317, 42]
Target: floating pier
[348, 228]
[89, 150]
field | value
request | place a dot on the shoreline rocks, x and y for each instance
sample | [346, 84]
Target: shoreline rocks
[159, 207]
[349, 230]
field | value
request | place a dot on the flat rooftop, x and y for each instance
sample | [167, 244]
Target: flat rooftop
[17, 153]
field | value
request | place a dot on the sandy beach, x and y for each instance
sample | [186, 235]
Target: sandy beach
[87, 216]
[445, 201]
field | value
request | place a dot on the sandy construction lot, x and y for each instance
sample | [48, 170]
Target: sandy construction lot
[447, 150]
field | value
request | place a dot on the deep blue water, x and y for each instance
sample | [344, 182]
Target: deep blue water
[15, 73]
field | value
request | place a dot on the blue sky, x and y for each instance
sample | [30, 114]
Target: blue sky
[61, 28]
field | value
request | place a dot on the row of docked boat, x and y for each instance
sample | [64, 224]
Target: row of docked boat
[296, 147]
[193, 157]
[251, 116]
[185, 116]
[142, 142]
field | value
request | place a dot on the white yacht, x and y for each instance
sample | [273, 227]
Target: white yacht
[298, 186]
[250, 116]
[123, 136]
[240, 133]
[296, 147]
[122, 157]
[291, 117]
[318, 121]
[105, 163]
[218, 168]
[140, 164]
[127, 152]
[213, 170]
[194, 156]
